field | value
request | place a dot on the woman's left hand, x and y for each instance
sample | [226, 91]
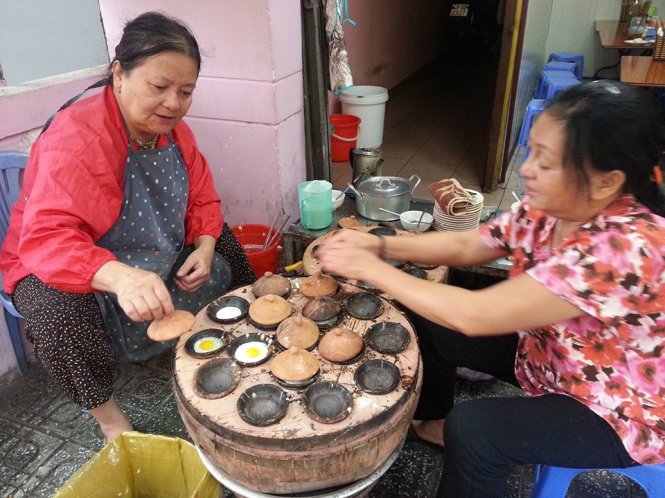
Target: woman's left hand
[195, 271]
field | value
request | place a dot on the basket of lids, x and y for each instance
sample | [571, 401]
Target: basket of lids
[456, 209]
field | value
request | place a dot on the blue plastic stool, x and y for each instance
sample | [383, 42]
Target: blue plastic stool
[569, 57]
[571, 67]
[533, 109]
[553, 482]
[552, 82]
[12, 165]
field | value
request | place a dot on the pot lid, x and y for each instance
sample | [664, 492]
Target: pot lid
[384, 186]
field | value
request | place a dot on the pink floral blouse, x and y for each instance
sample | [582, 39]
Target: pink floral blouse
[612, 358]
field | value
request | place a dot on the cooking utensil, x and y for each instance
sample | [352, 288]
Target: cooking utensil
[391, 193]
[420, 220]
[265, 243]
[517, 197]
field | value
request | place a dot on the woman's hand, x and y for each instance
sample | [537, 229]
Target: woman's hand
[195, 271]
[352, 254]
[142, 295]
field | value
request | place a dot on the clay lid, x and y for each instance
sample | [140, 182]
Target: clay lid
[171, 326]
[294, 365]
[318, 285]
[297, 331]
[340, 345]
[321, 309]
[269, 310]
[270, 283]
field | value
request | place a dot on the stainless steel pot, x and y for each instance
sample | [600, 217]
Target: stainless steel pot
[388, 192]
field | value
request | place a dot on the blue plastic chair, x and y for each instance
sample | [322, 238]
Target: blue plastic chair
[12, 165]
[534, 108]
[569, 57]
[553, 482]
[552, 82]
[570, 67]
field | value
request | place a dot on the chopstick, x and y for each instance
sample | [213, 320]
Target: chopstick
[517, 198]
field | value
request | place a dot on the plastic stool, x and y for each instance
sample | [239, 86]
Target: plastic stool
[533, 109]
[569, 57]
[553, 482]
[571, 67]
[552, 82]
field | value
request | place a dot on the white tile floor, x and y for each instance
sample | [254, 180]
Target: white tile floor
[437, 126]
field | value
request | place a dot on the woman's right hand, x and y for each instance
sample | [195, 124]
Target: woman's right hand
[142, 294]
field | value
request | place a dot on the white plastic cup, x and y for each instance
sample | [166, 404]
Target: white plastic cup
[369, 104]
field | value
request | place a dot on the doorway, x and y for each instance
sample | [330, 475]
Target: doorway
[449, 118]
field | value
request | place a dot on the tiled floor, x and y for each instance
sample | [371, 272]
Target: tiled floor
[435, 126]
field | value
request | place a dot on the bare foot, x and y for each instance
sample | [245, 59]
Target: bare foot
[111, 419]
[429, 430]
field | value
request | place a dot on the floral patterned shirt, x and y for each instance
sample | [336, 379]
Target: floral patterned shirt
[612, 358]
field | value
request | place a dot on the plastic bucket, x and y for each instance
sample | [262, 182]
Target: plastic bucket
[369, 104]
[344, 135]
[252, 238]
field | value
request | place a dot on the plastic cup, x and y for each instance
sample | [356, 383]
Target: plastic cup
[315, 199]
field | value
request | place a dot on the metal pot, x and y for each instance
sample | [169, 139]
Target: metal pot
[388, 192]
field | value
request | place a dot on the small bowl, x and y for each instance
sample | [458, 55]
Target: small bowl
[217, 378]
[337, 198]
[409, 220]
[262, 404]
[327, 402]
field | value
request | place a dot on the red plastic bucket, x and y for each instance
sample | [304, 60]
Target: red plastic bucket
[344, 135]
[252, 238]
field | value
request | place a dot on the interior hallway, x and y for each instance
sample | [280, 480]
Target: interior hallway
[437, 126]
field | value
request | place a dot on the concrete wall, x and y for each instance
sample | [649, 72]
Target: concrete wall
[41, 38]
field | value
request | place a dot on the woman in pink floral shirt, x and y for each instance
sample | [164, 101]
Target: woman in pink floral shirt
[586, 297]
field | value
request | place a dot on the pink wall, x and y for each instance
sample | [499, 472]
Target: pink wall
[392, 39]
[247, 110]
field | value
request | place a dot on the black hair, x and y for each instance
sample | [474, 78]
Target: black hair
[151, 34]
[613, 126]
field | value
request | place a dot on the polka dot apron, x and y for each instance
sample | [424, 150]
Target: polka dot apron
[149, 234]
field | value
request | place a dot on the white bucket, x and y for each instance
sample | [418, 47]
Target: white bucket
[369, 104]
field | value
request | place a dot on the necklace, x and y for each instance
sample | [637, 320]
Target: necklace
[147, 145]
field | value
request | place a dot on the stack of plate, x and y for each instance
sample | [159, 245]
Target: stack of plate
[469, 220]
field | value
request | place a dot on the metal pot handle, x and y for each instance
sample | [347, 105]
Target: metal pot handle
[357, 193]
[414, 185]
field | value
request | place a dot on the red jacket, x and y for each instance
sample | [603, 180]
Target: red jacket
[72, 194]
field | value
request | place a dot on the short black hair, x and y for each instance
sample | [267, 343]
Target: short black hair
[153, 33]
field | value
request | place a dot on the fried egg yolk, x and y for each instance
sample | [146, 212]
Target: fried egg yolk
[251, 352]
[207, 344]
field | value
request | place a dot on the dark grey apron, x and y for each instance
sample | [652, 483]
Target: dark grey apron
[149, 234]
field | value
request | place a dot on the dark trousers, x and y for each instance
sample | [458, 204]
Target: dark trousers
[485, 437]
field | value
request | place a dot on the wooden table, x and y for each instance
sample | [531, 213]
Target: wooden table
[642, 71]
[613, 35]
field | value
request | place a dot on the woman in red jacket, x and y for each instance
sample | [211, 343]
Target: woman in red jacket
[118, 222]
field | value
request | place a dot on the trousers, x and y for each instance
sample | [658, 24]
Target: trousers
[485, 438]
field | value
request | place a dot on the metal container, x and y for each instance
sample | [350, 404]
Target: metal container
[365, 162]
[388, 192]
